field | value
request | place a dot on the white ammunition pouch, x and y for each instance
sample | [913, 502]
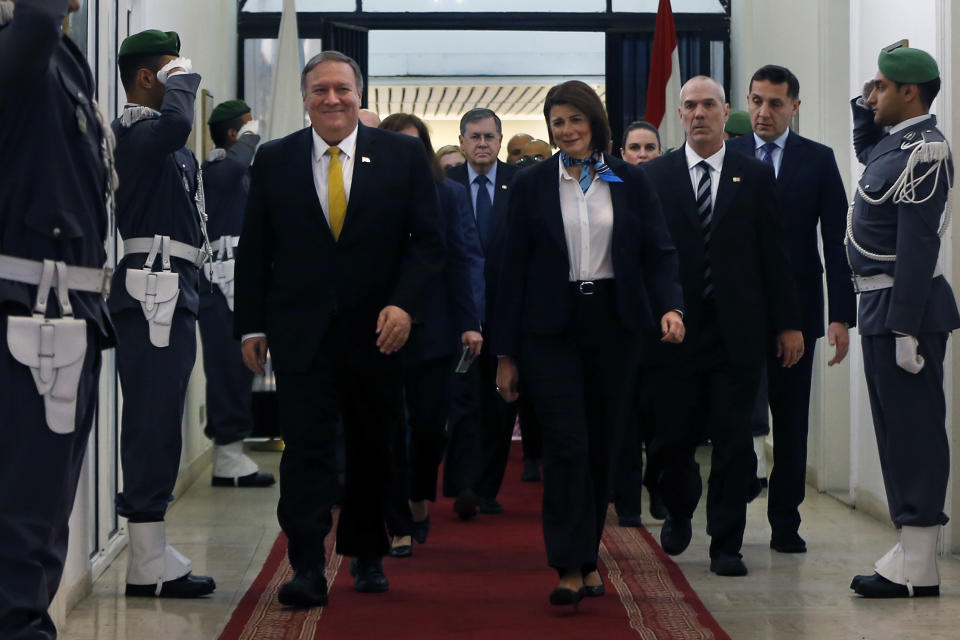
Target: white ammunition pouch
[229, 461]
[156, 291]
[53, 349]
[152, 560]
[220, 270]
[913, 561]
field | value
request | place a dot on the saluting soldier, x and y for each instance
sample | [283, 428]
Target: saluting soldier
[226, 182]
[54, 220]
[907, 308]
[155, 299]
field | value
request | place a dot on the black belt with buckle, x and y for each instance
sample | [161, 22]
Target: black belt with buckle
[591, 287]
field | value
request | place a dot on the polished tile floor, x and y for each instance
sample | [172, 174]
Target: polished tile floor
[228, 533]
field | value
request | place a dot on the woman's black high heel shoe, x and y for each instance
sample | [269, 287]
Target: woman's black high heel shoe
[420, 530]
[561, 597]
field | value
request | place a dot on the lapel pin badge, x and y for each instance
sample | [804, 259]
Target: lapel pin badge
[365, 159]
[503, 187]
[736, 178]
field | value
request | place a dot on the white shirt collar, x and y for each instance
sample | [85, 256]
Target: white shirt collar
[780, 142]
[715, 161]
[909, 122]
[348, 146]
[491, 174]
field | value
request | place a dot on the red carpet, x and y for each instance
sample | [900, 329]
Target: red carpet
[485, 579]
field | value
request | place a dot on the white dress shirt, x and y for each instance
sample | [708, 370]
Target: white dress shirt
[716, 166]
[776, 155]
[587, 226]
[475, 188]
[909, 122]
[321, 167]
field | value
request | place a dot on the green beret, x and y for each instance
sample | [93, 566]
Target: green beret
[228, 111]
[151, 42]
[738, 124]
[908, 66]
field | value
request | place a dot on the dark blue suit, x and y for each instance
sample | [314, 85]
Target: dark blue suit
[52, 206]
[811, 194]
[226, 183]
[158, 182]
[428, 356]
[909, 410]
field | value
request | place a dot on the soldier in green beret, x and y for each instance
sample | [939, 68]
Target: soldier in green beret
[738, 124]
[907, 308]
[226, 177]
[156, 299]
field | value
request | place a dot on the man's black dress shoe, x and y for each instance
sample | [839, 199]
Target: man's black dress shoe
[188, 586]
[876, 586]
[755, 489]
[788, 542]
[675, 535]
[563, 597]
[368, 575]
[307, 589]
[728, 566]
[466, 504]
[490, 506]
[420, 530]
[629, 521]
[255, 479]
[531, 470]
[657, 509]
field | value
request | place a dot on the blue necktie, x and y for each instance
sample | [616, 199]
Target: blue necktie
[705, 211]
[484, 206]
[766, 153]
[600, 168]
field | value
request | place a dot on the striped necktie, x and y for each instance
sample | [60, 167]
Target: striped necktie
[766, 153]
[705, 211]
[336, 196]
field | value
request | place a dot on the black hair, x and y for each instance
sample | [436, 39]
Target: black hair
[218, 130]
[776, 74]
[582, 97]
[640, 124]
[927, 90]
[129, 65]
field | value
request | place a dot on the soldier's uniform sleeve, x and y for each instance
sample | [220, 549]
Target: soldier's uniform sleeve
[168, 133]
[866, 132]
[28, 43]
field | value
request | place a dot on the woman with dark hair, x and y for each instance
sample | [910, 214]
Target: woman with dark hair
[641, 142]
[588, 266]
[450, 323]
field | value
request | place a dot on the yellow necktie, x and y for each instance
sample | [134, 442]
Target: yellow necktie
[336, 196]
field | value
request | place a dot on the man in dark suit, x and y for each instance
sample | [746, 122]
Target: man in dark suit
[811, 192]
[480, 422]
[722, 214]
[340, 247]
[907, 308]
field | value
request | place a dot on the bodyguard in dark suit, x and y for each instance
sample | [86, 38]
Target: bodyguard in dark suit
[738, 289]
[587, 265]
[907, 308]
[226, 181]
[155, 299]
[54, 220]
[478, 415]
[340, 249]
[810, 193]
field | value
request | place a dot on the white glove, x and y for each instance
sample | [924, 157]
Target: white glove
[251, 127]
[907, 357]
[183, 63]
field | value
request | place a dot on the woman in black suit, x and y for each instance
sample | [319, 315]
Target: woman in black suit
[588, 265]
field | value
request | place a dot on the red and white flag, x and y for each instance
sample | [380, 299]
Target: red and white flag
[663, 87]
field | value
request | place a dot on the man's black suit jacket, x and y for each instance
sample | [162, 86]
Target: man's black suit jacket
[754, 290]
[535, 283]
[292, 276]
[811, 192]
[493, 252]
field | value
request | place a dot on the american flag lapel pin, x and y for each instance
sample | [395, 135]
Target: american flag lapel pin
[736, 178]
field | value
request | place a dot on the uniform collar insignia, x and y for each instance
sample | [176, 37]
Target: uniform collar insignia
[134, 114]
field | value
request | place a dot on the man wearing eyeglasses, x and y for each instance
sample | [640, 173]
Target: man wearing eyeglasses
[479, 419]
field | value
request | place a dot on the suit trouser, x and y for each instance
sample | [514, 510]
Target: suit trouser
[580, 383]
[630, 478]
[418, 447]
[499, 419]
[909, 413]
[531, 436]
[154, 384]
[229, 381]
[706, 396]
[788, 389]
[39, 471]
[348, 377]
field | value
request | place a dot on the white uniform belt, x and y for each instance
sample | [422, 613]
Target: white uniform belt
[78, 278]
[177, 249]
[233, 241]
[862, 284]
